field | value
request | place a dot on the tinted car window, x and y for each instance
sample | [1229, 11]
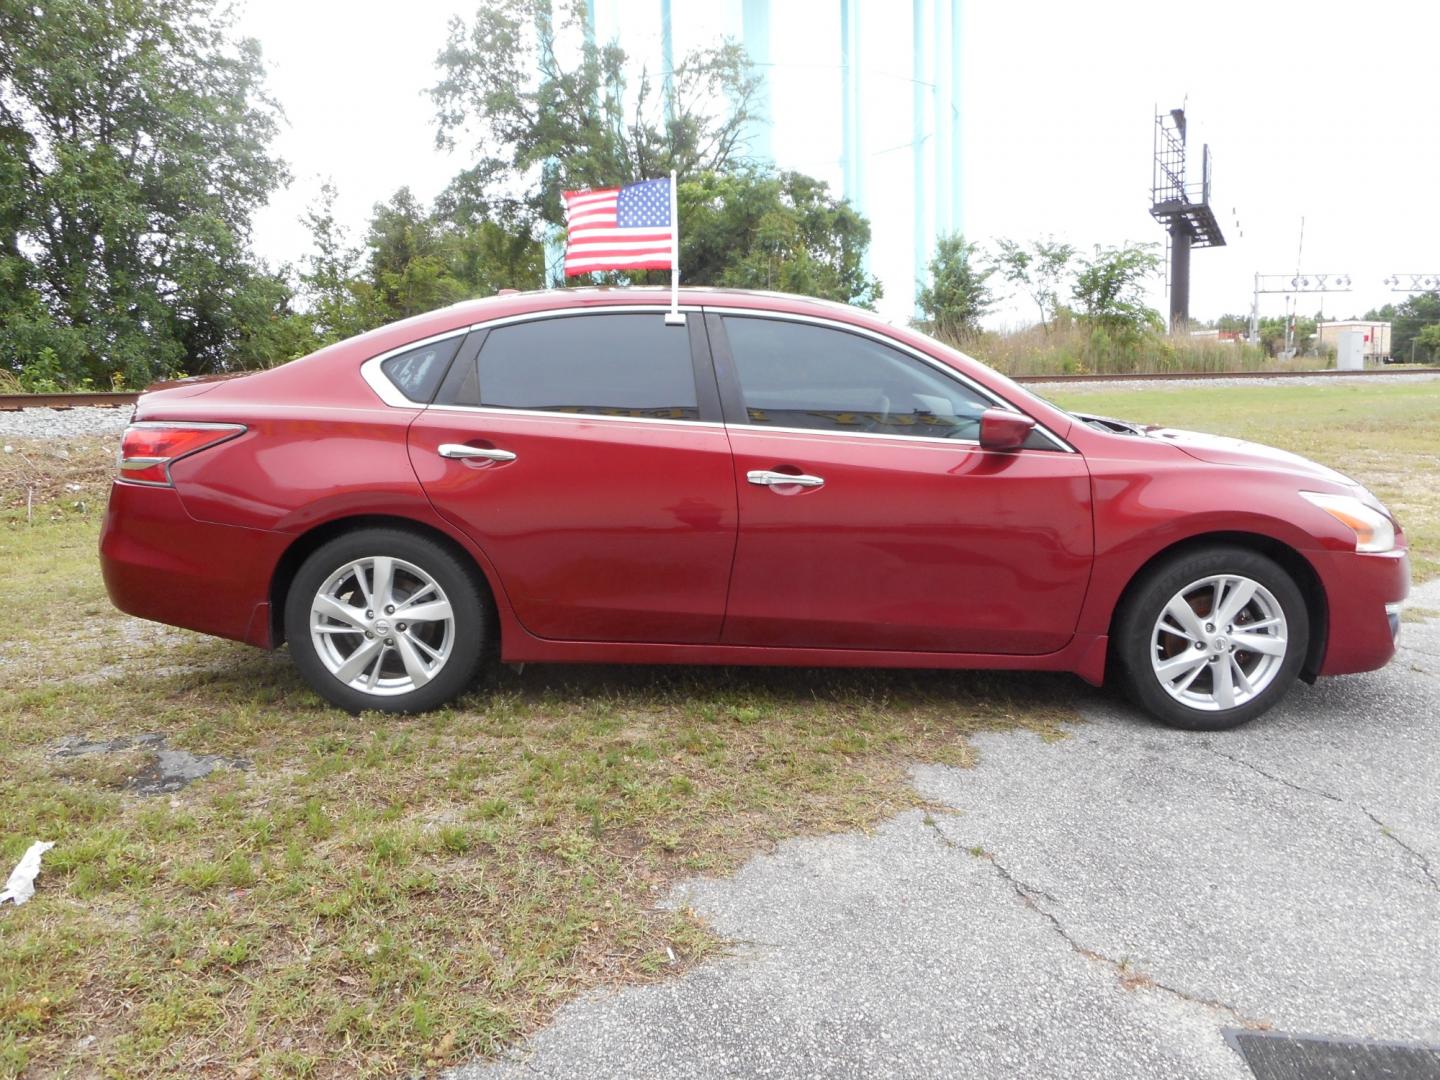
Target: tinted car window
[607, 365]
[804, 376]
[418, 372]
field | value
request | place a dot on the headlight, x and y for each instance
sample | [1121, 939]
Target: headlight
[1373, 530]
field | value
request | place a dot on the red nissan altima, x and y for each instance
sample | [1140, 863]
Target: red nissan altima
[569, 476]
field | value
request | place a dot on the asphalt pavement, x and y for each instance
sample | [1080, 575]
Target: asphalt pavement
[1104, 905]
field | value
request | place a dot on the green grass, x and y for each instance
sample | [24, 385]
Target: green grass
[381, 894]
[1385, 435]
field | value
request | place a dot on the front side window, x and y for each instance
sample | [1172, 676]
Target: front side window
[603, 365]
[798, 375]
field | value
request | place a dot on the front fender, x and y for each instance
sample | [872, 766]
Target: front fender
[1146, 508]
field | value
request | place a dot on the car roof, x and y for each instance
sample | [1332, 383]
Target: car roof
[508, 303]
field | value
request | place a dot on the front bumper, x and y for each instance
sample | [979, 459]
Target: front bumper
[1363, 593]
[159, 563]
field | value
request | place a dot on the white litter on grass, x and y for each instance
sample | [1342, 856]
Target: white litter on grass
[21, 886]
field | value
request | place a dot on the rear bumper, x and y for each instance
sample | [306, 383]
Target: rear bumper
[1362, 592]
[159, 563]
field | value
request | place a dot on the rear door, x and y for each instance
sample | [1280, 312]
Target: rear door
[584, 453]
[898, 531]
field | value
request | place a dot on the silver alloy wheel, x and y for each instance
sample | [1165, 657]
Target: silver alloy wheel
[1219, 642]
[382, 626]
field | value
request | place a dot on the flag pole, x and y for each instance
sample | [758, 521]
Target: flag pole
[673, 317]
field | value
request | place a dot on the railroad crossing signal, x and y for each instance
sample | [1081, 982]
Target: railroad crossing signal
[1408, 283]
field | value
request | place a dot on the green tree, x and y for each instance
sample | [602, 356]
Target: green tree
[958, 294]
[1039, 270]
[1272, 334]
[134, 147]
[340, 303]
[413, 260]
[760, 230]
[269, 327]
[1109, 290]
[585, 118]
[1408, 321]
[406, 265]
[1428, 339]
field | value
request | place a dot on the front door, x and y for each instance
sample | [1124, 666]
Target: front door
[584, 457]
[897, 532]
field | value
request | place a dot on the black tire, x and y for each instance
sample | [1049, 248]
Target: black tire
[1135, 628]
[471, 629]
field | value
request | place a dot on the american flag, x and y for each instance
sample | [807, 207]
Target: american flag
[626, 228]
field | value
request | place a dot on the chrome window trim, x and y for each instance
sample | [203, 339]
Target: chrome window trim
[391, 395]
[899, 346]
[204, 424]
[386, 390]
[551, 414]
[780, 429]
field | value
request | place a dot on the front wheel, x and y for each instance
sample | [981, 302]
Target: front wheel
[1212, 638]
[385, 619]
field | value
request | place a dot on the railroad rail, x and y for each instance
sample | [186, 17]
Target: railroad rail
[1201, 376]
[13, 402]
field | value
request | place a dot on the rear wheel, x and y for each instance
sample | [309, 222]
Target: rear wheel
[385, 619]
[1212, 638]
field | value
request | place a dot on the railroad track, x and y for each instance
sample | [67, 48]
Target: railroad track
[13, 402]
[1201, 376]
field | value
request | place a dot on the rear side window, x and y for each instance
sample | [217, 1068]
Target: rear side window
[799, 375]
[604, 365]
[417, 372]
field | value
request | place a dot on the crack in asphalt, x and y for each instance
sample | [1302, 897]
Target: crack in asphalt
[1271, 776]
[1129, 978]
[1385, 830]
[1419, 856]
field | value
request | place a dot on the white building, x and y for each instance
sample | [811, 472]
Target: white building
[1377, 336]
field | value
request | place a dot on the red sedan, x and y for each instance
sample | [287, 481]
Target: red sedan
[569, 476]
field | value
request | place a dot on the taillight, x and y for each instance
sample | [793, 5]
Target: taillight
[148, 449]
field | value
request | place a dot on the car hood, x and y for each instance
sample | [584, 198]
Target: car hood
[1221, 450]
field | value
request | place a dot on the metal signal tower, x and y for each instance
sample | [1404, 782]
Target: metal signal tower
[1184, 209]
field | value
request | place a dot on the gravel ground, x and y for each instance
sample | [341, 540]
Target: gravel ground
[63, 423]
[1108, 905]
[1122, 385]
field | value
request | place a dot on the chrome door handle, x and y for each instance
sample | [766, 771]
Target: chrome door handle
[766, 478]
[461, 451]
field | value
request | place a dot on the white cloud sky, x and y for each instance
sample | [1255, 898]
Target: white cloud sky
[1322, 109]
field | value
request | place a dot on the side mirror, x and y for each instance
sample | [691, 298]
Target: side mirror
[1001, 429]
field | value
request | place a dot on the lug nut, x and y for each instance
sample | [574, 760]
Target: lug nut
[401, 627]
[389, 641]
[369, 634]
[389, 609]
[1199, 644]
[369, 614]
[1229, 629]
[1209, 628]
